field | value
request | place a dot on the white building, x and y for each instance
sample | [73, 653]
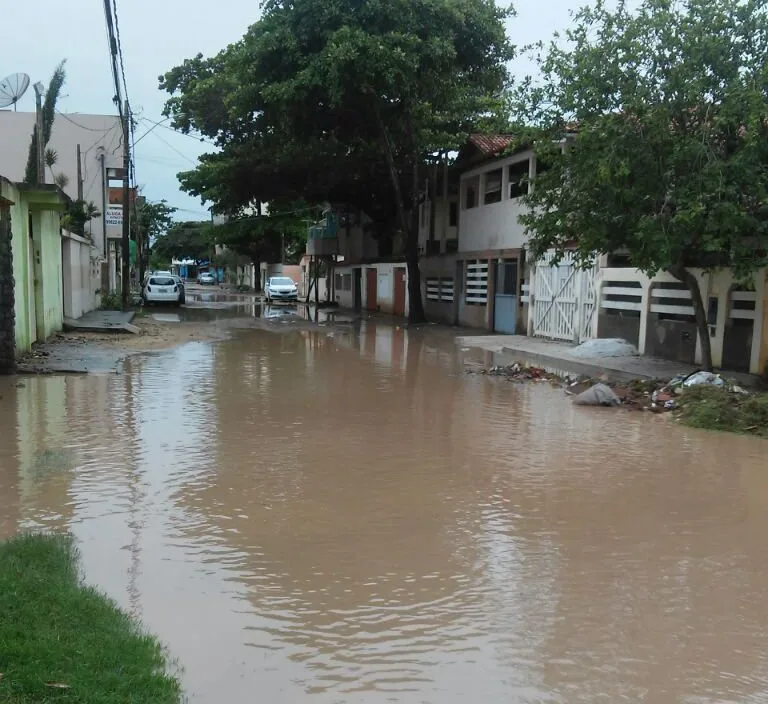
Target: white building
[101, 148]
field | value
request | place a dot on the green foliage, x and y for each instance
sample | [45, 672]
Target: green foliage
[342, 102]
[717, 409]
[49, 114]
[261, 238]
[182, 240]
[111, 301]
[153, 220]
[79, 212]
[54, 631]
[668, 160]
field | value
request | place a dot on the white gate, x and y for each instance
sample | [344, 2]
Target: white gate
[563, 303]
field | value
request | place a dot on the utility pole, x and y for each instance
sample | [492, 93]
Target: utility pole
[282, 246]
[79, 175]
[39, 88]
[126, 252]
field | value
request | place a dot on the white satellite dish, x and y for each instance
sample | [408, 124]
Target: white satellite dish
[12, 88]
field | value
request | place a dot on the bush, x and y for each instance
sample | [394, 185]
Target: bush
[111, 301]
[712, 408]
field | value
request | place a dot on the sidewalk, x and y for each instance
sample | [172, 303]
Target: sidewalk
[102, 321]
[558, 355]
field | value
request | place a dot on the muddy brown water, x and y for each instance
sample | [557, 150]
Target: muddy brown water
[349, 518]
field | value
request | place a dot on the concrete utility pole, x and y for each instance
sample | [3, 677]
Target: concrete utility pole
[39, 88]
[79, 174]
[126, 252]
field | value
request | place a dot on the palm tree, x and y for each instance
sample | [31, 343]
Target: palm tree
[49, 114]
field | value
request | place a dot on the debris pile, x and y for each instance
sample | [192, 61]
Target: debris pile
[519, 372]
[653, 395]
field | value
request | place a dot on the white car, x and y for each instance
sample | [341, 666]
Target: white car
[206, 279]
[162, 288]
[281, 288]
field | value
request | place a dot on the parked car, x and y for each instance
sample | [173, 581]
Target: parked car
[180, 283]
[162, 289]
[206, 279]
[281, 288]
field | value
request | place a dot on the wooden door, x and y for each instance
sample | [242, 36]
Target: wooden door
[399, 307]
[370, 298]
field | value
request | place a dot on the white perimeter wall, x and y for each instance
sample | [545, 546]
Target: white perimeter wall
[81, 274]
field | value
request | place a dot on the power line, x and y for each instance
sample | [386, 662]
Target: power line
[117, 98]
[120, 50]
[83, 127]
[179, 152]
[159, 123]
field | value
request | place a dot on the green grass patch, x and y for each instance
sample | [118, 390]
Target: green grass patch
[61, 641]
[717, 409]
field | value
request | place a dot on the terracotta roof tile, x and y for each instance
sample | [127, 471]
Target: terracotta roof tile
[491, 144]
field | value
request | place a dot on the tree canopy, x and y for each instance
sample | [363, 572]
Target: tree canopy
[654, 124]
[342, 101]
[183, 240]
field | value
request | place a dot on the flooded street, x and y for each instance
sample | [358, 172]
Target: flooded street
[349, 518]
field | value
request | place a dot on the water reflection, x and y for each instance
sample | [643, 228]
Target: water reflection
[348, 518]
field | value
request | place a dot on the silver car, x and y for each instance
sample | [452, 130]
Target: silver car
[281, 288]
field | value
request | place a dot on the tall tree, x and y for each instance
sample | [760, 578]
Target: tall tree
[182, 240]
[664, 114]
[49, 115]
[328, 101]
[281, 236]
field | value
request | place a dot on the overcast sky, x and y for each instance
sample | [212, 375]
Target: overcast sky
[157, 35]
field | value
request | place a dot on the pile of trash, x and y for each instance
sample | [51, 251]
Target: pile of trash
[656, 396]
[519, 373]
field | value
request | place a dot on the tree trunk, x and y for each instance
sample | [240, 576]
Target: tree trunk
[410, 230]
[700, 312]
[7, 300]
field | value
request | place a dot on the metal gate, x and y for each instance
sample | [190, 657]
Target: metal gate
[563, 299]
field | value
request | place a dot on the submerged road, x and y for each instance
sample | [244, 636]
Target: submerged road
[305, 517]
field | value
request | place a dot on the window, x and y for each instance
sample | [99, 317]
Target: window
[440, 289]
[338, 282]
[518, 179]
[492, 187]
[453, 214]
[347, 283]
[476, 283]
[506, 278]
[471, 188]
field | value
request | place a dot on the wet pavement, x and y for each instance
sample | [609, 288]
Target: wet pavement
[342, 515]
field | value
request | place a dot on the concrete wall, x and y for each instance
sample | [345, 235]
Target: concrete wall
[666, 326]
[37, 261]
[81, 275]
[96, 135]
[49, 300]
[439, 268]
[493, 225]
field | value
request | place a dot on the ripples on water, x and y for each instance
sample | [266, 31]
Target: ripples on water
[348, 519]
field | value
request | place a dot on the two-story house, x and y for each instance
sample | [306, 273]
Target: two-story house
[472, 243]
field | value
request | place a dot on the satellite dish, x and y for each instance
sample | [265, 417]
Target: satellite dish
[12, 88]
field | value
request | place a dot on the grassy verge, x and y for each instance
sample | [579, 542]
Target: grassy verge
[716, 409]
[63, 642]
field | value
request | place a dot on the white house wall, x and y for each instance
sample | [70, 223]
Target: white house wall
[96, 135]
[495, 225]
[81, 273]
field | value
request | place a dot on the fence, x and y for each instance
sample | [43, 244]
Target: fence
[657, 315]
